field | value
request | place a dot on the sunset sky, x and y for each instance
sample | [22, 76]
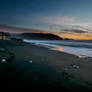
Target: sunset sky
[52, 15]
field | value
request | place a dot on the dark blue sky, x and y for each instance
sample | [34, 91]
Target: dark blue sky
[45, 14]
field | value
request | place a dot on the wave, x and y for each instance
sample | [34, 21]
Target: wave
[80, 49]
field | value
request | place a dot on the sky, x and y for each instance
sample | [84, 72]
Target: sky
[52, 15]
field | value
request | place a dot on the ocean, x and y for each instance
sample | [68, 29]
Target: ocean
[80, 49]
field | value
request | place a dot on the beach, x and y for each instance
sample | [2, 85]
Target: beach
[38, 67]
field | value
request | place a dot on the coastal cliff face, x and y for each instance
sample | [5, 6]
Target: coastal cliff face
[41, 36]
[28, 33]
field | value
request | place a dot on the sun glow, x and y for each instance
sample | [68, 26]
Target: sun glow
[76, 36]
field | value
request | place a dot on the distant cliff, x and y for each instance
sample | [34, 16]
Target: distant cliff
[40, 36]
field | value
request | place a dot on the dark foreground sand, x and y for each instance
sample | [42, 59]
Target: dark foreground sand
[38, 68]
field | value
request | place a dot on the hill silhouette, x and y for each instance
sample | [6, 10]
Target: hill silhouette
[41, 36]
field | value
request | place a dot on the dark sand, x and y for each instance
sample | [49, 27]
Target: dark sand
[49, 70]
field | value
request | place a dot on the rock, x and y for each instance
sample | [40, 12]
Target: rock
[30, 61]
[3, 60]
[76, 67]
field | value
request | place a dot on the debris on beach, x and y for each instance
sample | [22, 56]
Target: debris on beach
[75, 66]
[30, 61]
[3, 60]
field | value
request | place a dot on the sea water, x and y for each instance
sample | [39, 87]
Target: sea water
[81, 49]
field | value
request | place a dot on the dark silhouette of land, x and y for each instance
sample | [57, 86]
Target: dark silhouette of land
[41, 36]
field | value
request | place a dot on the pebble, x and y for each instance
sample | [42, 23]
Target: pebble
[76, 67]
[3, 60]
[30, 61]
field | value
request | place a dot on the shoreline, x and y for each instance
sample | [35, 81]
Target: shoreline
[52, 53]
[66, 49]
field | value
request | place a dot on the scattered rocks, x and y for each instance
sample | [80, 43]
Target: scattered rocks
[5, 55]
[30, 61]
[75, 66]
[3, 60]
[71, 67]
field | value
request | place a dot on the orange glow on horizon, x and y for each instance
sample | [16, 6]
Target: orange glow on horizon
[76, 36]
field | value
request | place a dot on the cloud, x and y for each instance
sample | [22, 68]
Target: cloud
[59, 20]
[68, 22]
[63, 20]
[82, 24]
[72, 31]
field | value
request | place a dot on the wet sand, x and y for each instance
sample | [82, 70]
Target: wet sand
[49, 69]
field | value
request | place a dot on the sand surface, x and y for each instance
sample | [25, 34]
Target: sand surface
[41, 68]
